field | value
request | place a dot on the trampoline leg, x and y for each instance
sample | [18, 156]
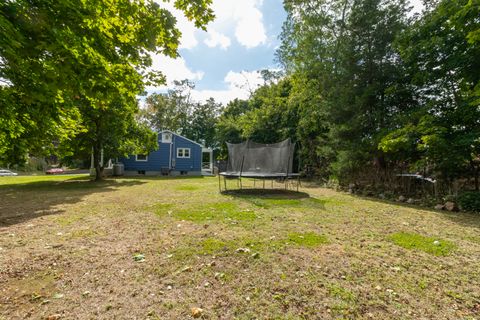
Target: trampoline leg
[263, 183]
[219, 184]
[240, 183]
[225, 182]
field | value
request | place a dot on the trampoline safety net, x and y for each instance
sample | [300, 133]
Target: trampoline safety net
[251, 159]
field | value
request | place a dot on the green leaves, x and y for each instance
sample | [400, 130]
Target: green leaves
[74, 68]
[390, 91]
[197, 11]
[176, 111]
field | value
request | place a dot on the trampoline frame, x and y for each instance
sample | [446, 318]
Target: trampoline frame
[258, 176]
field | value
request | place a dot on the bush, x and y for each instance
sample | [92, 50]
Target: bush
[470, 201]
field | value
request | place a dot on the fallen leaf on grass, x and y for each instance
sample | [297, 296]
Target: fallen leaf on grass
[186, 269]
[197, 312]
[58, 296]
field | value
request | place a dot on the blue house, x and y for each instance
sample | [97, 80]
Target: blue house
[176, 155]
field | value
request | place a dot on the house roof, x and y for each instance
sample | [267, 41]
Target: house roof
[178, 135]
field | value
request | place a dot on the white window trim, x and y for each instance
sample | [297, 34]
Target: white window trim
[165, 140]
[183, 153]
[146, 158]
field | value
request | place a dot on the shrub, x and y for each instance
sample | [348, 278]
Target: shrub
[470, 201]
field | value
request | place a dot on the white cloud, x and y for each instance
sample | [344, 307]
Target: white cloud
[217, 39]
[222, 96]
[244, 16]
[417, 6]
[188, 29]
[173, 69]
[246, 80]
[240, 85]
[250, 31]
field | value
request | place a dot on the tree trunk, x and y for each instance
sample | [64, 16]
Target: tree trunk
[476, 174]
[96, 160]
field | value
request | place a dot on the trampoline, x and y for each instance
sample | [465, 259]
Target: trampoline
[260, 161]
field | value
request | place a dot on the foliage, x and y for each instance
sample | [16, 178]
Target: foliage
[470, 201]
[178, 112]
[441, 133]
[171, 110]
[370, 91]
[202, 123]
[391, 92]
[76, 67]
[228, 127]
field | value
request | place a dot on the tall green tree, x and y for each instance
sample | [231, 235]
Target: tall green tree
[77, 66]
[442, 134]
[203, 123]
[368, 93]
[342, 52]
[228, 127]
[175, 110]
[171, 110]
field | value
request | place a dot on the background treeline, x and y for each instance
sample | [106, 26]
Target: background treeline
[366, 89]
[371, 91]
[175, 110]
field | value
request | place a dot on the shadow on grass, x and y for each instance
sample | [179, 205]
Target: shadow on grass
[276, 198]
[266, 193]
[469, 219]
[23, 201]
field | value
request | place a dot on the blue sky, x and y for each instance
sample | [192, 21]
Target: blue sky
[224, 61]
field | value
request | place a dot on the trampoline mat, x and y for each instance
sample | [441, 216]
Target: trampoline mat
[257, 175]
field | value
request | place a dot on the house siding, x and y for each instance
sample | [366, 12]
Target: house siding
[160, 158]
[194, 163]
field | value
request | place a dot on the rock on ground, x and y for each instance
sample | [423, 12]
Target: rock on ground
[451, 206]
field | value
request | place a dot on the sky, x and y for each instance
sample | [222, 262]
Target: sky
[224, 61]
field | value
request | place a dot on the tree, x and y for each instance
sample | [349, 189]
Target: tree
[342, 54]
[203, 122]
[442, 133]
[228, 127]
[368, 94]
[76, 66]
[178, 112]
[171, 110]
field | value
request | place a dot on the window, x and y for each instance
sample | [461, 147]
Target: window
[141, 157]
[166, 137]
[183, 152]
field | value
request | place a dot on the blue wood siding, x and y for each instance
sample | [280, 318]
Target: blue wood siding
[160, 158]
[194, 163]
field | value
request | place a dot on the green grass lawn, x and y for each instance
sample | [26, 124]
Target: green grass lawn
[153, 248]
